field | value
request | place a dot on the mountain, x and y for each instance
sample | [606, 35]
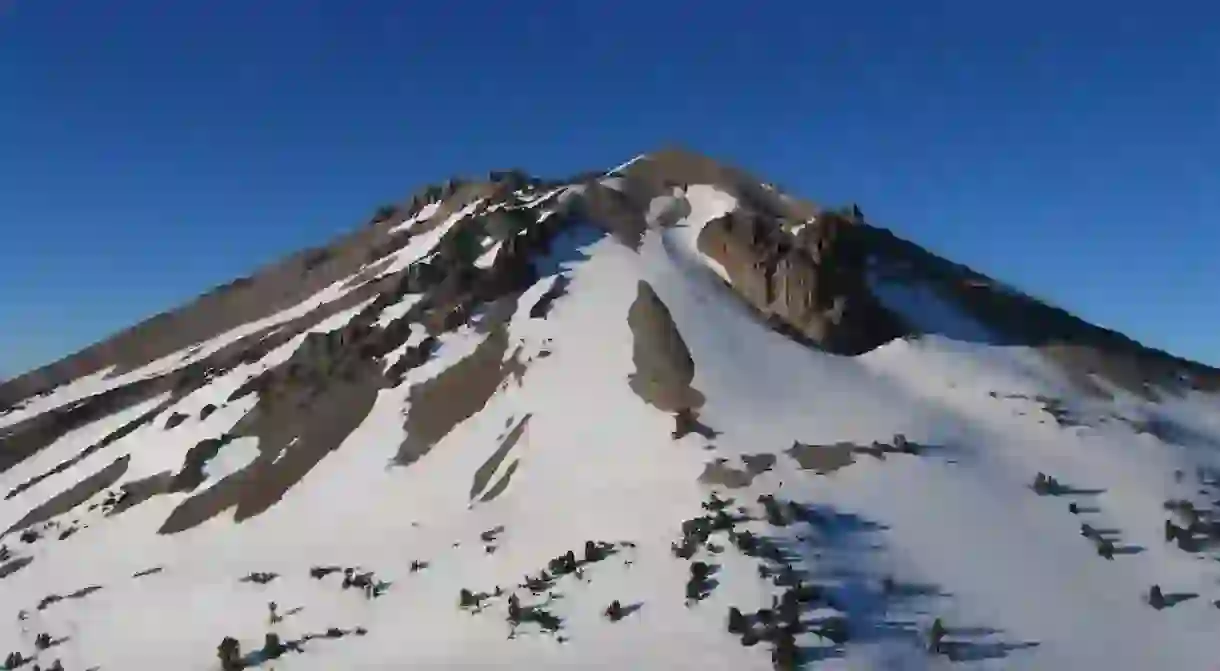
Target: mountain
[665, 416]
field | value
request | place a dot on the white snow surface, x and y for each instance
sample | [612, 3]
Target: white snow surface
[956, 527]
[615, 183]
[397, 310]
[424, 243]
[425, 213]
[618, 169]
[488, 257]
[703, 204]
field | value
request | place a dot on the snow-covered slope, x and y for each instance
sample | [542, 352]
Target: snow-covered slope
[524, 375]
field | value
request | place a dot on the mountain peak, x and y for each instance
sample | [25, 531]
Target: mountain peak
[658, 416]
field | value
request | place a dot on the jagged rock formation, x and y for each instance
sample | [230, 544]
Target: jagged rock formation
[814, 284]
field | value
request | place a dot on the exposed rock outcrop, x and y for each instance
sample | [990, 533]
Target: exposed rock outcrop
[664, 369]
[814, 285]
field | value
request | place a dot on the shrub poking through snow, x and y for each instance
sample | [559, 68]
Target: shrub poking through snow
[1155, 598]
[42, 641]
[698, 587]
[563, 564]
[538, 584]
[737, 623]
[1105, 548]
[1043, 484]
[614, 612]
[538, 614]
[13, 660]
[903, 445]
[596, 551]
[683, 549]
[229, 654]
[319, 572]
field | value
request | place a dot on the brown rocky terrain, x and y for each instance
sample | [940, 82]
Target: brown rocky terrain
[813, 286]
[471, 304]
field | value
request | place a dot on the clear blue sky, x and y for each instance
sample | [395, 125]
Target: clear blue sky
[150, 149]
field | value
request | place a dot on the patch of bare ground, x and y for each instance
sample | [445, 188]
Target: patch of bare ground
[758, 463]
[138, 491]
[721, 472]
[501, 484]
[307, 407]
[483, 474]
[74, 496]
[822, 459]
[614, 211]
[456, 394]
[664, 369]
[298, 423]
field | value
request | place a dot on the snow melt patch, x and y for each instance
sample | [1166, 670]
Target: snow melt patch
[626, 165]
[231, 458]
[615, 183]
[706, 204]
[796, 230]
[422, 244]
[425, 213]
[487, 258]
[398, 310]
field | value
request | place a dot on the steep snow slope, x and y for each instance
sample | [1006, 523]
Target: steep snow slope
[605, 399]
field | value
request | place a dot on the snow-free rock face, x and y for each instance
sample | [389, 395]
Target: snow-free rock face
[664, 416]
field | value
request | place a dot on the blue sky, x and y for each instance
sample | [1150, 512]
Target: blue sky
[150, 150]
